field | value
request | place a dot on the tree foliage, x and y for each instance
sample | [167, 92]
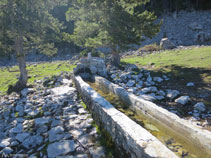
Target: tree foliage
[111, 23]
[27, 24]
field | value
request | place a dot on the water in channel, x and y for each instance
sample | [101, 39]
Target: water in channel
[176, 144]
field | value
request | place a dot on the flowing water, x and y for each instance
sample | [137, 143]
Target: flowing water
[176, 144]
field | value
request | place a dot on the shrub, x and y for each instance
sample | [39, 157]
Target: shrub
[150, 48]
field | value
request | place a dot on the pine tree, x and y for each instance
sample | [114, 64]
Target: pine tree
[115, 24]
[27, 24]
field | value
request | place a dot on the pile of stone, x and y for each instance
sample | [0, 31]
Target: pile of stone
[47, 122]
[148, 87]
[92, 65]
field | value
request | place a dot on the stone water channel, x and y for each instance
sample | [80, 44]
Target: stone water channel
[179, 146]
[129, 119]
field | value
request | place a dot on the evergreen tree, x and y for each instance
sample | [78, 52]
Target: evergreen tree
[111, 23]
[27, 24]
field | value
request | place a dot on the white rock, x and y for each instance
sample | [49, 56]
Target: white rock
[61, 148]
[182, 100]
[189, 84]
[149, 89]
[165, 43]
[200, 106]
[7, 151]
[4, 143]
[62, 90]
[172, 94]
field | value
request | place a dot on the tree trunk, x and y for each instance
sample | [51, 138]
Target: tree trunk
[115, 58]
[21, 83]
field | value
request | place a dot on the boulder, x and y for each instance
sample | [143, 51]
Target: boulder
[183, 100]
[200, 106]
[190, 84]
[165, 43]
[172, 93]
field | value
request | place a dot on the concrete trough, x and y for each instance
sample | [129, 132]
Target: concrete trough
[135, 141]
[199, 138]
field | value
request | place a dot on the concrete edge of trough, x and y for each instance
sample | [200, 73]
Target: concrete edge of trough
[128, 135]
[200, 137]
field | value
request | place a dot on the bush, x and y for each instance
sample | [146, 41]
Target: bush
[94, 53]
[150, 48]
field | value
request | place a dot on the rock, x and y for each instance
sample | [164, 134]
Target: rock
[131, 67]
[19, 108]
[165, 77]
[165, 43]
[56, 123]
[41, 121]
[200, 106]
[82, 111]
[33, 113]
[7, 151]
[123, 76]
[189, 84]
[14, 143]
[20, 120]
[32, 141]
[113, 76]
[61, 148]
[157, 79]
[42, 129]
[4, 143]
[130, 83]
[17, 129]
[159, 97]
[63, 90]
[149, 89]
[182, 100]
[56, 133]
[149, 79]
[161, 92]
[132, 90]
[26, 91]
[21, 137]
[172, 94]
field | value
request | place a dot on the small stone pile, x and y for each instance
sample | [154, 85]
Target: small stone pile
[47, 121]
[148, 87]
[92, 65]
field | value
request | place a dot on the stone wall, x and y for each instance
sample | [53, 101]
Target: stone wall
[201, 138]
[128, 135]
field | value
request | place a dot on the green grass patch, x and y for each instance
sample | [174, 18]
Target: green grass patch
[195, 57]
[35, 72]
